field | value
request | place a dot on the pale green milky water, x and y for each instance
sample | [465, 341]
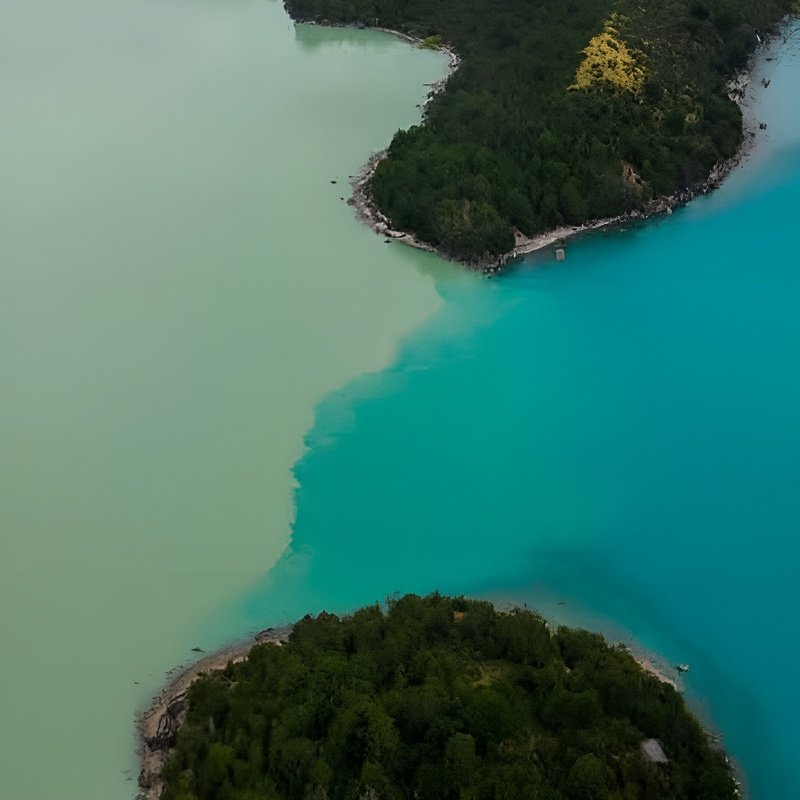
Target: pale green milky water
[179, 285]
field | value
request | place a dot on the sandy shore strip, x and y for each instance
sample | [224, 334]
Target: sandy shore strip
[157, 726]
[737, 87]
[657, 667]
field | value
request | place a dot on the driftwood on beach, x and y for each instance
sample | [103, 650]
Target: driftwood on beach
[157, 727]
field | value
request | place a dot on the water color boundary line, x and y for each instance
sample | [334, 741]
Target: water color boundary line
[156, 726]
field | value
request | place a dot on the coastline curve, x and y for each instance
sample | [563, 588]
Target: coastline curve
[737, 87]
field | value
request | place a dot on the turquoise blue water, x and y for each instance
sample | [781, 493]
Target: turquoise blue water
[615, 439]
[180, 285]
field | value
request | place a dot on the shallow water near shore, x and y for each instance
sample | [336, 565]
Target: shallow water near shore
[614, 440]
[180, 283]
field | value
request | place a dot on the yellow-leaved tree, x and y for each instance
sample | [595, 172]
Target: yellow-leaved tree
[609, 62]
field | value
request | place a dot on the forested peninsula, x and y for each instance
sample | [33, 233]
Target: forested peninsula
[439, 698]
[561, 112]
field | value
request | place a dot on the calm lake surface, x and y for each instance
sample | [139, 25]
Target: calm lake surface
[615, 439]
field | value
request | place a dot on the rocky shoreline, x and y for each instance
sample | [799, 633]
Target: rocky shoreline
[367, 211]
[361, 199]
[157, 727]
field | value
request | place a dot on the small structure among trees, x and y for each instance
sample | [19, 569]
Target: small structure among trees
[440, 698]
[654, 752]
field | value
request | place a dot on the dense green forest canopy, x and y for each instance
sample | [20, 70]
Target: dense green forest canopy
[562, 110]
[439, 698]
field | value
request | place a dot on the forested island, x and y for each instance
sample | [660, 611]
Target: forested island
[561, 112]
[440, 698]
